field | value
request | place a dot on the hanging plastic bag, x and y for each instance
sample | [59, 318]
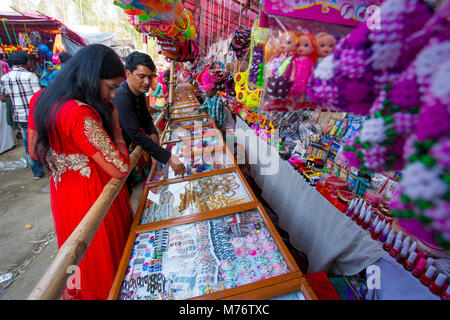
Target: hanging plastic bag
[259, 37]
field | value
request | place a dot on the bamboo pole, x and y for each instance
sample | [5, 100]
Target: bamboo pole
[171, 83]
[54, 280]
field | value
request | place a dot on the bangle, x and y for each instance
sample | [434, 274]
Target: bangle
[118, 129]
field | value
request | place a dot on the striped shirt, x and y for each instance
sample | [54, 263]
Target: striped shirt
[216, 109]
[20, 85]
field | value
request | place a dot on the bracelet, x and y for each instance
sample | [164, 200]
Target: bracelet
[118, 129]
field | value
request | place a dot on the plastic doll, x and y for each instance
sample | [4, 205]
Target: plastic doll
[325, 44]
[304, 63]
[279, 71]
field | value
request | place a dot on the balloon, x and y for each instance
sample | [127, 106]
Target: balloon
[157, 5]
[187, 34]
[184, 22]
[49, 54]
[120, 4]
[134, 12]
[43, 47]
[139, 5]
[193, 33]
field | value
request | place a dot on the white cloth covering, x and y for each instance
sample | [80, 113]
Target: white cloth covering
[315, 226]
[6, 133]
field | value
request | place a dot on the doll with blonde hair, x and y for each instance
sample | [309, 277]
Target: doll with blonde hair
[325, 44]
[280, 53]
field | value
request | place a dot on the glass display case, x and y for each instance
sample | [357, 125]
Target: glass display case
[204, 235]
[186, 114]
[194, 196]
[189, 132]
[198, 121]
[226, 256]
[195, 145]
[195, 164]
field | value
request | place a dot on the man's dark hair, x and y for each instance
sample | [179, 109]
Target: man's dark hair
[137, 58]
[17, 58]
[64, 56]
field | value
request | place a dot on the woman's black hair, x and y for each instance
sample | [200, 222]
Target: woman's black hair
[79, 79]
[166, 74]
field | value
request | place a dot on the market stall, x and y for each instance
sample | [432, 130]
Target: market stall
[344, 126]
[27, 31]
[311, 100]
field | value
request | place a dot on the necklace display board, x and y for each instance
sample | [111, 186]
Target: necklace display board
[204, 235]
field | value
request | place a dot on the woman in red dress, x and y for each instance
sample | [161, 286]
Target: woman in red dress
[76, 135]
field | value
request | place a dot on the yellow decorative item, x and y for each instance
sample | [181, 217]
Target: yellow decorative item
[244, 94]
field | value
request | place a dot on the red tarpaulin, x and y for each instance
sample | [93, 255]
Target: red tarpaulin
[34, 22]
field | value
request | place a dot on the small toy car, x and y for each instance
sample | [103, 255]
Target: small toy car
[309, 174]
[314, 180]
[318, 163]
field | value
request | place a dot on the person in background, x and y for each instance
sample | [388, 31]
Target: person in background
[63, 58]
[20, 85]
[213, 104]
[4, 64]
[135, 120]
[46, 72]
[162, 94]
[77, 137]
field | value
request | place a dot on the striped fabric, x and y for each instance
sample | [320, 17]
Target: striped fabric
[215, 108]
[20, 85]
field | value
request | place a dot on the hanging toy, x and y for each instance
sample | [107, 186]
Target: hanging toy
[279, 75]
[244, 94]
[259, 36]
[240, 42]
[304, 63]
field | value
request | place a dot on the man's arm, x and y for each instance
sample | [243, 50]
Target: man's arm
[130, 125]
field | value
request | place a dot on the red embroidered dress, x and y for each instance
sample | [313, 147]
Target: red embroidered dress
[84, 160]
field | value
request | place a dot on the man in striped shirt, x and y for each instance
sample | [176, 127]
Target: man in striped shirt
[214, 106]
[20, 85]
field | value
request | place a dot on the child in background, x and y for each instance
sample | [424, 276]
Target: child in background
[161, 94]
[213, 104]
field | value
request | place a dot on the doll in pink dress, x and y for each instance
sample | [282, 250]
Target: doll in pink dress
[279, 71]
[304, 63]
